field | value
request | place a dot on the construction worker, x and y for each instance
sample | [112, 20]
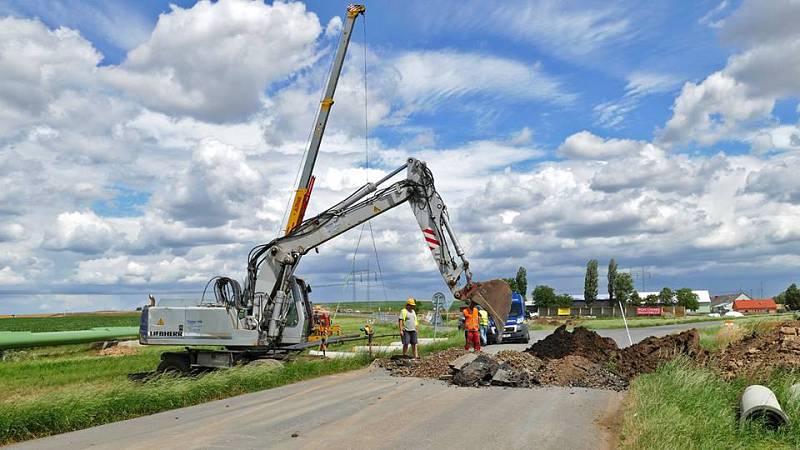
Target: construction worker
[408, 326]
[472, 326]
[484, 324]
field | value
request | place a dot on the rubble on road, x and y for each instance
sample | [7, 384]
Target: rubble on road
[436, 365]
[580, 358]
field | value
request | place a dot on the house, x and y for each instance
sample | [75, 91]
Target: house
[724, 302]
[759, 306]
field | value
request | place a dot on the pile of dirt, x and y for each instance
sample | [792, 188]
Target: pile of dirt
[647, 355]
[580, 341]
[758, 354]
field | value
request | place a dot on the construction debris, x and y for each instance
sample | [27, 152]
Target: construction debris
[580, 358]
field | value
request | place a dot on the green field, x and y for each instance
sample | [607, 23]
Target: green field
[71, 322]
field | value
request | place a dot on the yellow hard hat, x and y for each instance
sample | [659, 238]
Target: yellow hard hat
[411, 302]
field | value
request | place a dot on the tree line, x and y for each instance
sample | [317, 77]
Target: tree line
[620, 289]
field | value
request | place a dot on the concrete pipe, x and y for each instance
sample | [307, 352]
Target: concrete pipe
[759, 402]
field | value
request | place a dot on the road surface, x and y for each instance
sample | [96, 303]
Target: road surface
[370, 409]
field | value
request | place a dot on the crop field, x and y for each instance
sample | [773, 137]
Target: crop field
[70, 322]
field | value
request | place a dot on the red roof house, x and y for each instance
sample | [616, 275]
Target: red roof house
[760, 306]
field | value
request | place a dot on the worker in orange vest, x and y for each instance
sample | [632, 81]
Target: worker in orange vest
[472, 320]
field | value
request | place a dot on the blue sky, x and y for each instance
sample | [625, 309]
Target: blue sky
[156, 144]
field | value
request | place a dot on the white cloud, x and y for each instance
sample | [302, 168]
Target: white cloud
[214, 60]
[10, 232]
[428, 78]
[585, 145]
[558, 27]
[7, 276]
[738, 100]
[81, 232]
[216, 188]
[612, 114]
[37, 64]
[718, 108]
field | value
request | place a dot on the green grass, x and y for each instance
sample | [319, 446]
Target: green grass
[686, 407]
[70, 322]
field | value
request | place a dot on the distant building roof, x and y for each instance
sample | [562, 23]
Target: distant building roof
[728, 298]
[765, 303]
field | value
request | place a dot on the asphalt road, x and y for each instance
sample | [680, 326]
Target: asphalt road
[370, 409]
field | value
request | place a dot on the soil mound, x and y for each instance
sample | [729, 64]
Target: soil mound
[647, 355]
[758, 354]
[581, 341]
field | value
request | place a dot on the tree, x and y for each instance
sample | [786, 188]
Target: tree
[612, 276]
[522, 281]
[651, 300]
[563, 301]
[590, 283]
[687, 299]
[544, 296]
[623, 287]
[635, 299]
[791, 297]
[512, 283]
[665, 296]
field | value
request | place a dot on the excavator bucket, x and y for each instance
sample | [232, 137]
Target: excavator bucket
[495, 297]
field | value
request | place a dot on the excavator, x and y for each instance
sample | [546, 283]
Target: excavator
[272, 315]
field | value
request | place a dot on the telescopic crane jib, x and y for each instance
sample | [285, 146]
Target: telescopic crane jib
[306, 184]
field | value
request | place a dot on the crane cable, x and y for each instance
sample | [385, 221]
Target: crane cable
[368, 224]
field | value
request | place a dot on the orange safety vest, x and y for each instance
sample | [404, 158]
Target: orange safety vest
[471, 319]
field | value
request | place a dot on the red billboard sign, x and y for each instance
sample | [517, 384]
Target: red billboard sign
[648, 311]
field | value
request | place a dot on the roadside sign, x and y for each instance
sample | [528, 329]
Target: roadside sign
[441, 301]
[563, 311]
[645, 311]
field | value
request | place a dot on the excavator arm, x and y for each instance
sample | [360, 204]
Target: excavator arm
[271, 266]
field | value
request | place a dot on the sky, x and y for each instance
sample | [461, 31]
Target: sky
[147, 146]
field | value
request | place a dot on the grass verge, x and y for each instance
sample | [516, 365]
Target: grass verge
[687, 407]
